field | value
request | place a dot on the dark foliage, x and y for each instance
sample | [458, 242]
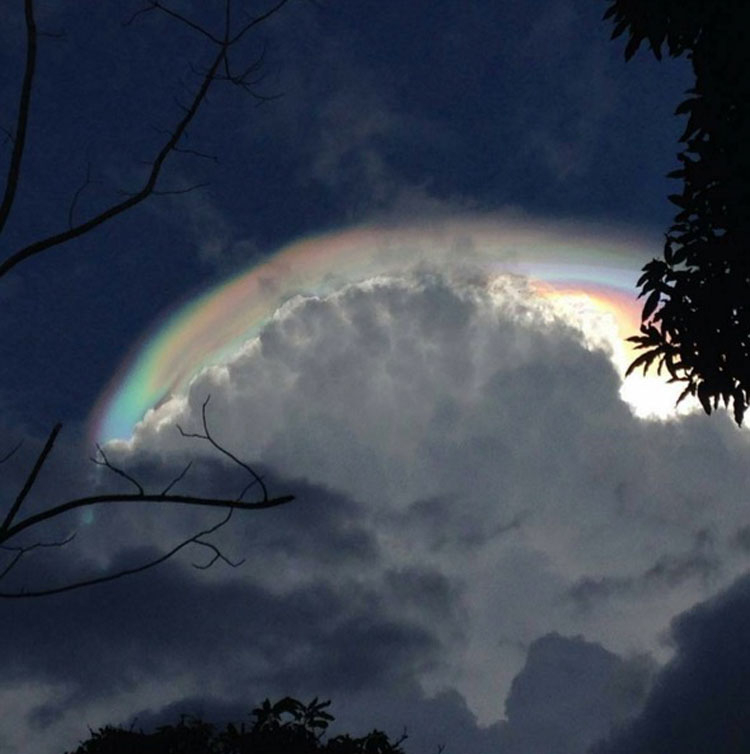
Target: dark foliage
[696, 316]
[287, 727]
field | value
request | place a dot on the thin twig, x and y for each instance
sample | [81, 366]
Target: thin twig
[106, 463]
[21, 551]
[178, 478]
[76, 196]
[119, 574]
[11, 452]
[207, 436]
[196, 153]
[120, 207]
[40, 461]
[186, 190]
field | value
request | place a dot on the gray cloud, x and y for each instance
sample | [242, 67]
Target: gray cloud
[483, 441]
[570, 694]
[699, 700]
[462, 464]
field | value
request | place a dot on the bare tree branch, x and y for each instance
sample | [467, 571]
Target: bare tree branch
[127, 571]
[255, 21]
[156, 5]
[86, 183]
[9, 530]
[146, 190]
[106, 463]
[178, 478]
[21, 551]
[112, 498]
[173, 139]
[207, 436]
[40, 461]
[22, 120]
[11, 452]
[177, 192]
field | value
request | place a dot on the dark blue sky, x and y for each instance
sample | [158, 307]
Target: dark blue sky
[385, 111]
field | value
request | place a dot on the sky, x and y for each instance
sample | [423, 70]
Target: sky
[405, 288]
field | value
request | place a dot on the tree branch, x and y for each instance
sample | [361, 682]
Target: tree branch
[40, 461]
[11, 452]
[8, 530]
[83, 502]
[129, 571]
[105, 462]
[22, 121]
[21, 551]
[207, 436]
[146, 190]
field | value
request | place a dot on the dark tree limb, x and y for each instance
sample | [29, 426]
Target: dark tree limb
[11, 452]
[206, 435]
[9, 530]
[117, 209]
[22, 120]
[171, 143]
[104, 461]
[29, 483]
[21, 551]
[195, 539]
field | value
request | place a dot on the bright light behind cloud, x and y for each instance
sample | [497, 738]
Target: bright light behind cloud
[604, 321]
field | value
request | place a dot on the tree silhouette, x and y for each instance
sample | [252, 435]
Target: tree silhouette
[228, 65]
[696, 315]
[286, 727]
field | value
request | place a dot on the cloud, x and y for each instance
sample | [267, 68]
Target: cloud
[699, 699]
[464, 472]
[570, 694]
[482, 440]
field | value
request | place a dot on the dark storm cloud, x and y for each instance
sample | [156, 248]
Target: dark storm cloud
[698, 703]
[104, 641]
[569, 694]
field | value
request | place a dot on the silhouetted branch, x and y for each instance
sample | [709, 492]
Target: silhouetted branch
[11, 452]
[21, 551]
[156, 5]
[106, 463]
[29, 483]
[127, 571]
[207, 436]
[219, 62]
[86, 183]
[219, 69]
[22, 120]
[8, 135]
[196, 153]
[133, 200]
[186, 190]
[8, 530]
[178, 478]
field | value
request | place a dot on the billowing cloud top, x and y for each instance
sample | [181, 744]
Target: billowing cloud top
[569, 263]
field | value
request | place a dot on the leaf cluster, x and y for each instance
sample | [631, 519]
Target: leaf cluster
[285, 727]
[696, 314]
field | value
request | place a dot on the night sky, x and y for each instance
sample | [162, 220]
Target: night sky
[488, 546]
